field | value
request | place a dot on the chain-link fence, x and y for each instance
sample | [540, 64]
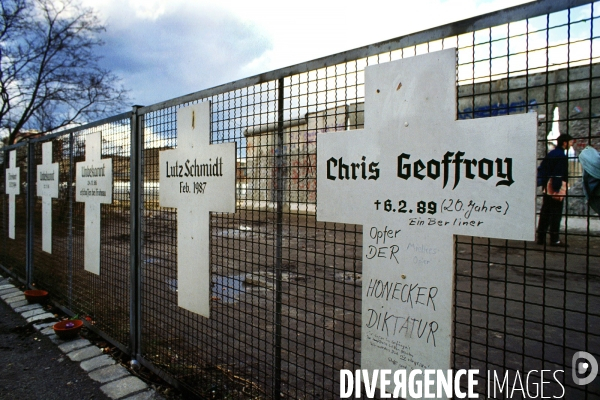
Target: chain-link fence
[286, 289]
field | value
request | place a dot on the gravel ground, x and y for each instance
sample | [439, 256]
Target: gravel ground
[32, 367]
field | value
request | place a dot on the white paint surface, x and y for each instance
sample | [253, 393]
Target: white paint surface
[196, 178]
[13, 188]
[47, 189]
[93, 189]
[410, 108]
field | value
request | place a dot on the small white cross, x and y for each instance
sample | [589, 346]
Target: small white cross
[93, 187]
[13, 188]
[414, 178]
[47, 189]
[196, 178]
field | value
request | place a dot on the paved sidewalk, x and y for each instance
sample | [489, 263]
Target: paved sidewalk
[41, 357]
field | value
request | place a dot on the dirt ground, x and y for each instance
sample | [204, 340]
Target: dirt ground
[32, 367]
[518, 306]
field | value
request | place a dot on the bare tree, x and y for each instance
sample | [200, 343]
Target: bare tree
[49, 70]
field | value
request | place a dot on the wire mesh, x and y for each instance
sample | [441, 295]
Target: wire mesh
[519, 306]
[286, 289]
[14, 250]
[105, 298]
[51, 270]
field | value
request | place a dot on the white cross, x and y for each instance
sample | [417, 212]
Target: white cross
[93, 187]
[13, 188]
[47, 189]
[196, 178]
[414, 178]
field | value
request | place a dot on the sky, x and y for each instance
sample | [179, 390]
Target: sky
[163, 49]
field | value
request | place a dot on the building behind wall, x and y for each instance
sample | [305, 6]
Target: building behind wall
[574, 91]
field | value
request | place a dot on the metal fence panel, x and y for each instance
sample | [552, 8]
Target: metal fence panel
[286, 289]
[14, 257]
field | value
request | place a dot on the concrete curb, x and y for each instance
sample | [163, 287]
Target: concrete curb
[118, 381]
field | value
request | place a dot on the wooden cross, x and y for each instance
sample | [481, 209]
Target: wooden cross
[196, 178]
[47, 189]
[13, 188]
[414, 178]
[94, 183]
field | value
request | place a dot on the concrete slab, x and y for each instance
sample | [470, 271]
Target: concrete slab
[148, 395]
[55, 339]
[109, 374]
[40, 317]
[12, 294]
[17, 298]
[97, 362]
[123, 387]
[28, 307]
[18, 304]
[33, 313]
[85, 353]
[43, 325]
[8, 290]
[74, 345]
[47, 331]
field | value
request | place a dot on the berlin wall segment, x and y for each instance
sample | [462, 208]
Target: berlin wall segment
[196, 178]
[414, 177]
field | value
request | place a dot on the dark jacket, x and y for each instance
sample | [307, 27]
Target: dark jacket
[554, 165]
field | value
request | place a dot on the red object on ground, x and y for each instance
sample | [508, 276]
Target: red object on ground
[68, 329]
[36, 296]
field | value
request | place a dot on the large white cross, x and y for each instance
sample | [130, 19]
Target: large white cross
[94, 182]
[13, 188]
[196, 178]
[47, 189]
[414, 178]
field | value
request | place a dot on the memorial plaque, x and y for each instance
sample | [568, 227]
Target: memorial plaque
[47, 189]
[94, 183]
[196, 178]
[414, 178]
[13, 188]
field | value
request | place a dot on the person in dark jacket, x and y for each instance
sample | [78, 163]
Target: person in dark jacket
[554, 174]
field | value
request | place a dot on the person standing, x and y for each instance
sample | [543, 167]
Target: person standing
[553, 174]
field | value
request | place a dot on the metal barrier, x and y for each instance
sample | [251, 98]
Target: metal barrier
[286, 289]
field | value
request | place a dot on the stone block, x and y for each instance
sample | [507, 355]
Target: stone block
[47, 331]
[147, 395]
[96, 362]
[18, 304]
[55, 339]
[12, 294]
[85, 353]
[33, 313]
[123, 387]
[74, 345]
[40, 317]
[28, 307]
[109, 374]
[8, 290]
[44, 325]
[18, 298]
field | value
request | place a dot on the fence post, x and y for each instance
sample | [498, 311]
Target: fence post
[70, 227]
[135, 202]
[30, 206]
[279, 164]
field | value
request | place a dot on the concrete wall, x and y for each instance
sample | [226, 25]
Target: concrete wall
[575, 92]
